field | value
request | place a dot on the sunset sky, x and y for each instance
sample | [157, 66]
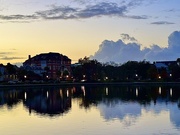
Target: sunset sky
[107, 30]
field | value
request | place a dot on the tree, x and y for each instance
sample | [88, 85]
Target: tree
[65, 73]
[58, 73]
[152, 72]
[11, 69]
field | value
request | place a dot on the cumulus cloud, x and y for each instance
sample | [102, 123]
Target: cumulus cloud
[126, 37]
[68, 12]
[120, 52]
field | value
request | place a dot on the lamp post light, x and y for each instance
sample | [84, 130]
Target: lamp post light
[25, 77]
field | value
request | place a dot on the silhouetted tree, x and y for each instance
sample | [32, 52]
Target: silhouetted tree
[11, 69]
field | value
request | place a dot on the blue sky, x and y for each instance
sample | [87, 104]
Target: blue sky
[79, 28]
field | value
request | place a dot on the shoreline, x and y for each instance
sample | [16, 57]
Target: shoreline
[90, 84]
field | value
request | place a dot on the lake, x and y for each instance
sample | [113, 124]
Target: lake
[90, 110]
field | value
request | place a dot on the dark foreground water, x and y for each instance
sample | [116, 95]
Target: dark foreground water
[81, 110]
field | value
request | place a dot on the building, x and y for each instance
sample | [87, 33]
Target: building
[164, 64]
[52, 65]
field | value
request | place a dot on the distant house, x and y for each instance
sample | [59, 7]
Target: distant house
[49, 63]
[164, 64]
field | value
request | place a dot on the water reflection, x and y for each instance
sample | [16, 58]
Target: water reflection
[123, 103]
[51, 102]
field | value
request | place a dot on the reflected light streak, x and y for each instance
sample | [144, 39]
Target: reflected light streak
[137, 92]
[159, 90]
[107, 91]
[67, 93]
[25, 96]
[47, 94]
[83, 89]
[171, 92]
[61, 94]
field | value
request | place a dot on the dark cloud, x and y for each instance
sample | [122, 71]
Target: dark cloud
[120, 52]
[18, 17]
[9, 55]
[68, 12]
[102, 9]
[162, 23]
[97, 10]
[11, 58]
[172, 10]
[58, 12]
[136, 17]
[3, 53]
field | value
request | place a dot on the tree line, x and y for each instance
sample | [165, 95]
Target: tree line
[87, 70]
[92, 70]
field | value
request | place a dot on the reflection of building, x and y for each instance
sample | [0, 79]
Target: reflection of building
[48, 62]
[48, 102]
[9, 97]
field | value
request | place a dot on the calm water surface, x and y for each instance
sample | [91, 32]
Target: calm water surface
[90, 110]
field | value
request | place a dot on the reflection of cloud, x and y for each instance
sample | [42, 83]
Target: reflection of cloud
[175, 116]
[127, 113]
[173, 110]
[158, 108]
[119, 51]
